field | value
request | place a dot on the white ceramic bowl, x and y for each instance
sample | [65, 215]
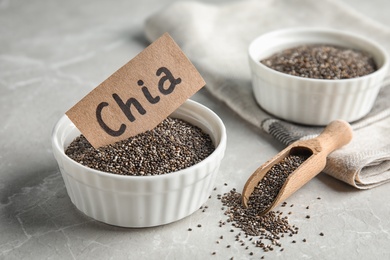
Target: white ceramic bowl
[314, 101]
[142, 201]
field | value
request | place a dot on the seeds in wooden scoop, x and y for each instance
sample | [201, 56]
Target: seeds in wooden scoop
[268, 188]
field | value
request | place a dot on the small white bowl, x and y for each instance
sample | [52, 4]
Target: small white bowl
[314, 101]
[142, 201]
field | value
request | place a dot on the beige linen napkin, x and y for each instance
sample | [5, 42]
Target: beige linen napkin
[216, 39]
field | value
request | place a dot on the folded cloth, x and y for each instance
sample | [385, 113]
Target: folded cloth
[216, 39]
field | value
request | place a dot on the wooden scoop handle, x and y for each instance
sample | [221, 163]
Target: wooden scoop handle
[337, 134]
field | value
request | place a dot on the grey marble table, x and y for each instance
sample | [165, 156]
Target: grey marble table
[52, 53]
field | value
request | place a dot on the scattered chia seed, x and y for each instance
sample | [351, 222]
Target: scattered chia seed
[322, 62]
[266, 227]
[171, 146]
[269, 228]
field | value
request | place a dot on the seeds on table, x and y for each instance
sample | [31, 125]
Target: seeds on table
[269, 228]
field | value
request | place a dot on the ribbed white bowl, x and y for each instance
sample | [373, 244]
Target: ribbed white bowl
[142, 201]
[314, 101]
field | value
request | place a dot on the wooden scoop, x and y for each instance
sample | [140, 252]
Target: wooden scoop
[334, 136]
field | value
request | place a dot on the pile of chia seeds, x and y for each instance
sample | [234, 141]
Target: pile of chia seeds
[269, 228]
[171, 146]
[322, 62]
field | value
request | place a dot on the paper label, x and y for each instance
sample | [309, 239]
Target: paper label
[138, 96]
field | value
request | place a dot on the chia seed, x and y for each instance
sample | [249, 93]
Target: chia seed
[265, 227]
[171, 146]
[269, 228]
[268, 188]
[322, 62]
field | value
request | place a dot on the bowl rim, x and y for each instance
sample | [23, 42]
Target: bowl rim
[324, 31]
[220, 148]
